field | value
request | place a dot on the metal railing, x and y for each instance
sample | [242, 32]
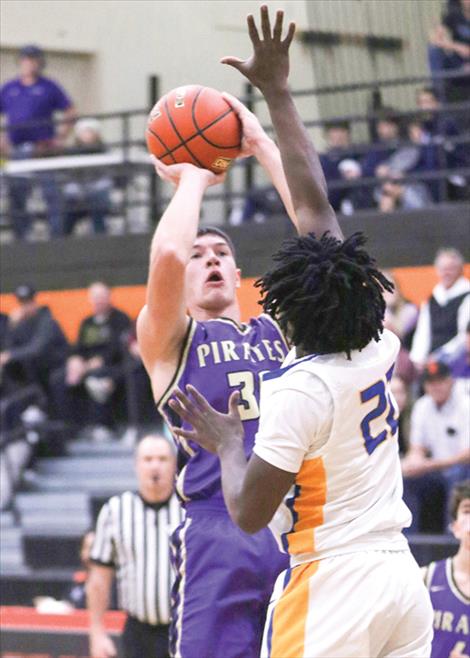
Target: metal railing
[133, 163]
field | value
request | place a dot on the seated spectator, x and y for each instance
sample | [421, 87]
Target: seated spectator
[439, 453]
[440, 129]
[401, 317]
[19, 101]
[259, 204]
[449, 49]
[395, 194]
[339, 148]
[94, 371]
[401, 396]
[443, 318]
[459, 362]
[357, 197]
[34, 345]
[388, 132]
[89, 193]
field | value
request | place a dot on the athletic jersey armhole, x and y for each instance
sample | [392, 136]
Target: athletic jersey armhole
[186, 344]
[428, 574]
[281, 333]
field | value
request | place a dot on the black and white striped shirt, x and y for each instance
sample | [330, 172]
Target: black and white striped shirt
[133, 537]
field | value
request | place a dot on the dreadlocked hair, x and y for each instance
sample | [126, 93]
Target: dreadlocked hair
[326, 294]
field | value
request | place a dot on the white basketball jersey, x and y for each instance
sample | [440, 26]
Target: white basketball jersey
[348, 492]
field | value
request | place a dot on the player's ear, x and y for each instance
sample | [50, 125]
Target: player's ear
[238, 281]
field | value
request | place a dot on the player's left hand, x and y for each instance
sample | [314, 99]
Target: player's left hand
[212, 430]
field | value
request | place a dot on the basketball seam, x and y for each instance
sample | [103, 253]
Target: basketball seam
[200, 131]
[183, 142]
[168, 151]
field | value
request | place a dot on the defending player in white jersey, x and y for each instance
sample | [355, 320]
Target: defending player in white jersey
[327, 439]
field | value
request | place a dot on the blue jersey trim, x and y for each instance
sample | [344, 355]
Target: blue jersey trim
[274, 374]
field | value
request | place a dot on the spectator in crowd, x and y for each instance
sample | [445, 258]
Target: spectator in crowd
[449, 48]
[388, 132]
[89, 193]
[357, 197]
[133, 539]
[459, 362]
[34, 98]
[396, 194]
[94, 371]
[339, 148]
[401, 317]
[34, 344]
[439, 453]
[448, 582]
[440, 130]
[401, 395]
[142, 411]
[260, 204]
[444, 317]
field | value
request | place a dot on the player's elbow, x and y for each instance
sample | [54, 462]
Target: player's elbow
[249, 521]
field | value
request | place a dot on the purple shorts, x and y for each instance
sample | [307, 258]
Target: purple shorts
[224, 580]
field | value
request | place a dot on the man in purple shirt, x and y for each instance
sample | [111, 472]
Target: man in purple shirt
[29, 103]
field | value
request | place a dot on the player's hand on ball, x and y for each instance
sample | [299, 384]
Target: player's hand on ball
[268, 66]
[211, 429]
[175, 172]
[253, 134]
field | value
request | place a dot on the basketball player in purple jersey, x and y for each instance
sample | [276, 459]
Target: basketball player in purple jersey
[448, 582]
[190, 332]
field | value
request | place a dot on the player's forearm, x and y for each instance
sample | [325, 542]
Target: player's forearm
[463, 457]
[301, 165]
[178, 225]
[269, 157]
[233, 467]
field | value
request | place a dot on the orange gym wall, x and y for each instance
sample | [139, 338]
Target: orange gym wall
[69, 307]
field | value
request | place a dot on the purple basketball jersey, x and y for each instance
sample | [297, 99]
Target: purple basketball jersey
[219, 357]
[451, 611]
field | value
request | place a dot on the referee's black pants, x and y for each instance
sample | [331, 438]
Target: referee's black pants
[141, 640]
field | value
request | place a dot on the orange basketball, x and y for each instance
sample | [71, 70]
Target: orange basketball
[194, 124]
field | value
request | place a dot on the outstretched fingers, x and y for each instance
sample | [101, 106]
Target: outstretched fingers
[265, 23]
[200, 400]
[277, 31]
[183, 406]
[253, 30]
[289, 36]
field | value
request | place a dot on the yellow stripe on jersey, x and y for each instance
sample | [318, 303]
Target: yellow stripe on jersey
[290, 614]
[308, 506]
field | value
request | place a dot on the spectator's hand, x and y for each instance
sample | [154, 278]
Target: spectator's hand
[4, 358]
[94, 363]
[254, 137]
[268, 66]
[101, 645]
[413, 467]
[75, 370]
[462, 49]
[382, 171]
[175, 173]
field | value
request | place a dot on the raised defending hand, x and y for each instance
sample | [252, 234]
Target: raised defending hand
[268, 66]
[175, 172]
[211, 429]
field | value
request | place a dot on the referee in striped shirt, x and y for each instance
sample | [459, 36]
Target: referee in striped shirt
[133, 542]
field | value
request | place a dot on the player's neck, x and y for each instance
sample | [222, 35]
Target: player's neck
[232, 311]
[461, 560]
